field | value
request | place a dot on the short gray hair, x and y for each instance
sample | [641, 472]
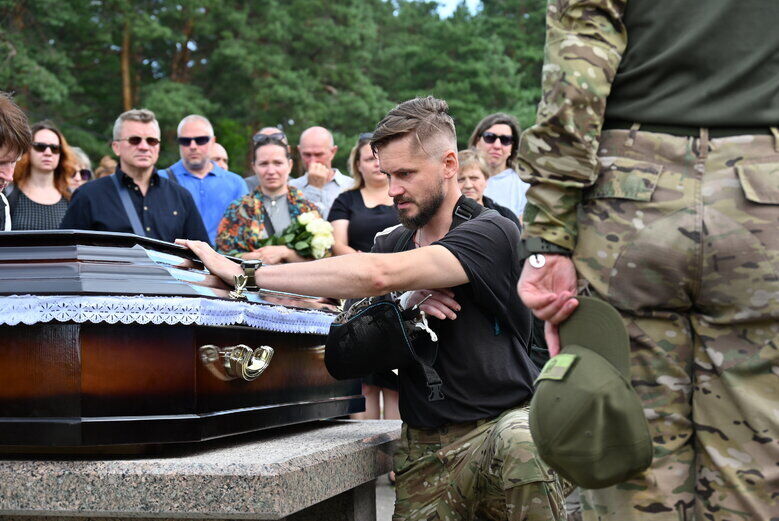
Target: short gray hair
[195, 117]
[140, 115]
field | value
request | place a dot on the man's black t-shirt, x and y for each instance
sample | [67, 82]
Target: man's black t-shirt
[483, 355]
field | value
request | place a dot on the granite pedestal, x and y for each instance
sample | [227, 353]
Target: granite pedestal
[319, 471]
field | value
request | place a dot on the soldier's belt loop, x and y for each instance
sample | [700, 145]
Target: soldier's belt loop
[775, 132]
[704, 145]
[632, 134]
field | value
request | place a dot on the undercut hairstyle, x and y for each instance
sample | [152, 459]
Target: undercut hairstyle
[140, 115]
[195, 117]
[470, 158]
[426, 119]
[66, 166]
[15, 133]
[499, 118]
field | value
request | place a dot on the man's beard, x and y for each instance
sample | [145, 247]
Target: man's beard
[427, 208]
[196, 166]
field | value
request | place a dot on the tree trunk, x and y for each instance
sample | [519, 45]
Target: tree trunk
[127, 86]
[179, 69]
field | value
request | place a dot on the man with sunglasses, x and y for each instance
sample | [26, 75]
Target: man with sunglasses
[212, 187]
[136, 199]
[15, 140]
[321, 183]
[264, 133]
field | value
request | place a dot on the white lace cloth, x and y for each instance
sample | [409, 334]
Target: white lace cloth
[34, 309]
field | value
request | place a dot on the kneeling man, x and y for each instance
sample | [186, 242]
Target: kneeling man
[468, 455]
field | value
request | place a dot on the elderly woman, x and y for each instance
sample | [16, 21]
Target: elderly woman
[473, 176]
[40, 196]
[268, 210]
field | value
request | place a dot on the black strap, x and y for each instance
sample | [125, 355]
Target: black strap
[171, 175]
[129, 209]
[465, 210]
[269, 229]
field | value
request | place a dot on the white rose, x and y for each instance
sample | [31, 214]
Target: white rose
[319, 227]
[306, 217]
[318, 253]
[321, 242]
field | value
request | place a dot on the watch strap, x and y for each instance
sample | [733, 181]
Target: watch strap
[250, 270]
[529, 246]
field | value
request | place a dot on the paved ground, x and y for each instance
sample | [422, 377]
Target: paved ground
[385, 499]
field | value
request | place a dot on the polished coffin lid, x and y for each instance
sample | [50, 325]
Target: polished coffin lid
[77, 262]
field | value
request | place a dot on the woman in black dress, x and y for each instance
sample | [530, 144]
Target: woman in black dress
[357, 216]
[41, 194]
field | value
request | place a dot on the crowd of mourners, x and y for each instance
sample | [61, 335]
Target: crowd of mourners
[201, 198]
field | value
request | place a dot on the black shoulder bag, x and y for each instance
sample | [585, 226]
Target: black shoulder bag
[376, 334]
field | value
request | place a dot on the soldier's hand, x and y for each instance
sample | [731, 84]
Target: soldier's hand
[549, 292]
[318, 175]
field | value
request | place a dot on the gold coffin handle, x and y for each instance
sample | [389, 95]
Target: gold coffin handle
[235, 362]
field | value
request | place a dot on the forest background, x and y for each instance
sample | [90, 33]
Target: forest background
[251, 63]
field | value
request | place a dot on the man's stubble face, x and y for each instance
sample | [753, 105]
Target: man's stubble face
[416, 183]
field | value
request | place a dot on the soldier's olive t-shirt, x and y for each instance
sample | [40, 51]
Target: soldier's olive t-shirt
[482, 355]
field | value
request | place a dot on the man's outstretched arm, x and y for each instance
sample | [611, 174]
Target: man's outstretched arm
[348, 276]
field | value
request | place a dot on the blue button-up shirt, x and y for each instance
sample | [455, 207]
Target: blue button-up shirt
[212, 194]
[323, 197]
[507, 189]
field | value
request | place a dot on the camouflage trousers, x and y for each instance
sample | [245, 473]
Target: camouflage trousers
[486, 470]
[682, 236]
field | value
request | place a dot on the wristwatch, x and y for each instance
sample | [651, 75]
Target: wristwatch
[250, 268]
[534, 248]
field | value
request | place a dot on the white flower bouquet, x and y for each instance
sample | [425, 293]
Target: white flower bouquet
[309, 235]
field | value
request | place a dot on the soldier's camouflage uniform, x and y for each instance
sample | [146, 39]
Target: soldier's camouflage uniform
[485, 470]
[681, 234]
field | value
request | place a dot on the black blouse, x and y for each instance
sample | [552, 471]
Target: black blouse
[364, 222]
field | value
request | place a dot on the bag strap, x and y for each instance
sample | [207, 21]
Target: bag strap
[128, 206]
[171, 175]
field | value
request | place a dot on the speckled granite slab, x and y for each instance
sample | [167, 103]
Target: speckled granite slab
[264, 475]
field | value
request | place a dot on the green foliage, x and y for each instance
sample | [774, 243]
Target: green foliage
[252, 63]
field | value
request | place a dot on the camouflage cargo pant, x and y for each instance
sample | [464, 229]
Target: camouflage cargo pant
[682, 236]
[487, 470]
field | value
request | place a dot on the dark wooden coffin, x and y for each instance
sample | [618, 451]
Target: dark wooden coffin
[85, 381]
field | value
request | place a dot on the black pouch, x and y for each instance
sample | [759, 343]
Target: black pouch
[376, 335]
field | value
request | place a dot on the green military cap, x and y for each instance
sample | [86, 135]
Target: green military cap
[586, 420]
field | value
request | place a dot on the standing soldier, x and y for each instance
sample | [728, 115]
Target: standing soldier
[654, 167]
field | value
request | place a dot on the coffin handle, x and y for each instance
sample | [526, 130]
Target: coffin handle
[235, 362]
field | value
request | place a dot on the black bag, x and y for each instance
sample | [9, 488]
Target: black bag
[376, 335]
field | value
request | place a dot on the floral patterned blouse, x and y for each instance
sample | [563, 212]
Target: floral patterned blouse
[243, 225]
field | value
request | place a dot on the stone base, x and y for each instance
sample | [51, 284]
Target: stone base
[323, 471]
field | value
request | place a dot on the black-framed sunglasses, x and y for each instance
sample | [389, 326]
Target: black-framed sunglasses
[199, 140]
[41, 147]
[136, 140]
[84, 173]
[279, 136]
[490, 137]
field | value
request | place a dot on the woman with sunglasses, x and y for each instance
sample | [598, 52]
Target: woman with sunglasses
[497, 137]
[41, 194]
[267, 210]
[83, 171]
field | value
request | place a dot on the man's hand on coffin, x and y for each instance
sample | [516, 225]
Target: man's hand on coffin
[276, 254]
[217, 264]
[438, 303]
